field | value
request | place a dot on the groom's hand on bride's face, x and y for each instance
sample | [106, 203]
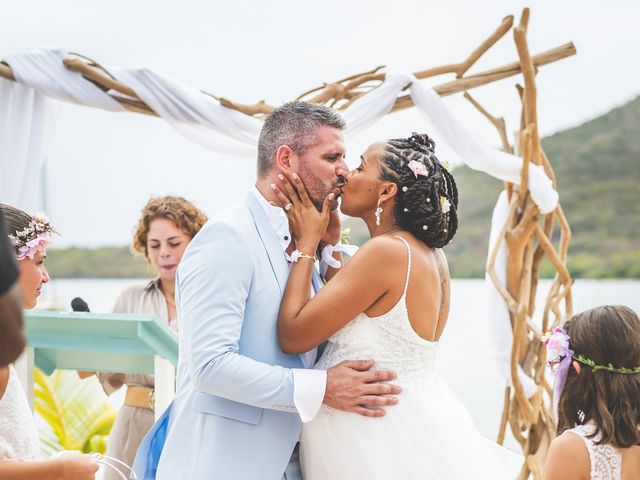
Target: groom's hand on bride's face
[353, 387]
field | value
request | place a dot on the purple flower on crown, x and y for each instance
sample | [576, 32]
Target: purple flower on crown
[557, 343]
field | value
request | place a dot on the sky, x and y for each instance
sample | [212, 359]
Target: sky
[102, 167]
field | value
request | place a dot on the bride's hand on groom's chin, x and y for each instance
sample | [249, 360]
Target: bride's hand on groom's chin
[332, 235]
[308, 225]
[353, 387]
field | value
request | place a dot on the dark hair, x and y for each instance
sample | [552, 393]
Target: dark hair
[293, 124]
[418, 201]
[15, 219]
[186, 216]
[606, 335]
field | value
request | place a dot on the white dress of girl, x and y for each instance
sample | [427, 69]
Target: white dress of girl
[18, 436]
[605, 460]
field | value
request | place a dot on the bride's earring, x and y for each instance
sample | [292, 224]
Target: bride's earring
[378, 212]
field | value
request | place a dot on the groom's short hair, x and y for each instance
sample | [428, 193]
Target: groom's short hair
[293, 124]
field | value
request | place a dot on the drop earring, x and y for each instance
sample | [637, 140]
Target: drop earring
[379, 210]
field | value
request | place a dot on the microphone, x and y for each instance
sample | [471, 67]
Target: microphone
[79, 305]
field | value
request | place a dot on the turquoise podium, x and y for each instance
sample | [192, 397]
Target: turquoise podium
[100, 342]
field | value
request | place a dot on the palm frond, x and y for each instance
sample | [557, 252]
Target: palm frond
[77, 412]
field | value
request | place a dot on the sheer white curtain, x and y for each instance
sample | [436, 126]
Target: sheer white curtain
[26, 124]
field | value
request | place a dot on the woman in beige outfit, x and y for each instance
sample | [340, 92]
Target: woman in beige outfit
[167, 226]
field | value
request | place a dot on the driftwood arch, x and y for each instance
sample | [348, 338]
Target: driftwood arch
[528, 234]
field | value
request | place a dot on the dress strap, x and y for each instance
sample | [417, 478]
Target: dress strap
[406, 283]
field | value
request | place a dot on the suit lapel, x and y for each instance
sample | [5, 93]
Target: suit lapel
[276, 256]
[270, 241]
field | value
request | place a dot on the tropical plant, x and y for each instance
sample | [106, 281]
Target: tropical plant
[71, 414]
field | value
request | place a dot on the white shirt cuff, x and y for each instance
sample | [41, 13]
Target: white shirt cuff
[309, 386]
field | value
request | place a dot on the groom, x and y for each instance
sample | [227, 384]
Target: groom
[240, 401]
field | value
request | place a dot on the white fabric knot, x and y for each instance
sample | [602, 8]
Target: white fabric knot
[326, 257]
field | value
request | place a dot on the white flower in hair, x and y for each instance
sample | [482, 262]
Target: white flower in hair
[445, 205]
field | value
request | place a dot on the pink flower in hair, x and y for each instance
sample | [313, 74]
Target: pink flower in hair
[30, 248]
[418, 168]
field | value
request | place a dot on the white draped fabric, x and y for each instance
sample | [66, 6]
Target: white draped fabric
[205, 121]
[194, 114]
[26, 123]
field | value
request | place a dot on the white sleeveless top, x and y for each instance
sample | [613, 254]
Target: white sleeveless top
[605, 460]
[18, 436]
[390, 338]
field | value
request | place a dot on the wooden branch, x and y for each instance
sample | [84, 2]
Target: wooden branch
[537, 260]
[260, 108]
[551, 253]
[505, 415]
[98, 76]
[490, 76]
[370, 73]
[498, 123]
[136, 106]
[544, 58]
[506, 295]
[505, 26]
[523, 402]
[530, 91]
[435, 71]
[525, 140]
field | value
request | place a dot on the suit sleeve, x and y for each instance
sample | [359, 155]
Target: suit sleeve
[213, 284]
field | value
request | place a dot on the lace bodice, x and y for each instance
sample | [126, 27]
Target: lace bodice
[389, 339]
[605, 460]
[18, 436]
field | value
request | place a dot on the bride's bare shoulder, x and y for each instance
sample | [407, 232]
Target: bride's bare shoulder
[382, 248]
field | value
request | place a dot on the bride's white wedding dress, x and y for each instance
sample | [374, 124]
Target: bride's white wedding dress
[427, 435]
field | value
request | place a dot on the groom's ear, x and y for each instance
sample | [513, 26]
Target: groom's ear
[285, 159]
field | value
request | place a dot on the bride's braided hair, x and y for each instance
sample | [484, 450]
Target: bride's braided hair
[419, 201]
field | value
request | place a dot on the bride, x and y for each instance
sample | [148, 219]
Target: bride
[389, 303]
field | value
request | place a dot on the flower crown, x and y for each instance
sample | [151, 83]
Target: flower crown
[38, 235]
[560, 356]
[557, 343]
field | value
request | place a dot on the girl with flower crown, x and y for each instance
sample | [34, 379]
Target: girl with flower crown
[19, 448]
[596, 358]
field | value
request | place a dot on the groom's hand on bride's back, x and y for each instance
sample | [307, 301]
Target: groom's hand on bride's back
[353, 387]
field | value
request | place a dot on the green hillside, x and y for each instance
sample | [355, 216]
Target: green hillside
[103, 262]
[597, 165]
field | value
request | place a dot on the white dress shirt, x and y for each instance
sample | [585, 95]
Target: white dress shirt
[309, 385]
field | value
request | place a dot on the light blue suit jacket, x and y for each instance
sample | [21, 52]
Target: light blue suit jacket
[233, 416]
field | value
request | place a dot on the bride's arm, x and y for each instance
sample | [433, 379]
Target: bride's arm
[304, 324]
